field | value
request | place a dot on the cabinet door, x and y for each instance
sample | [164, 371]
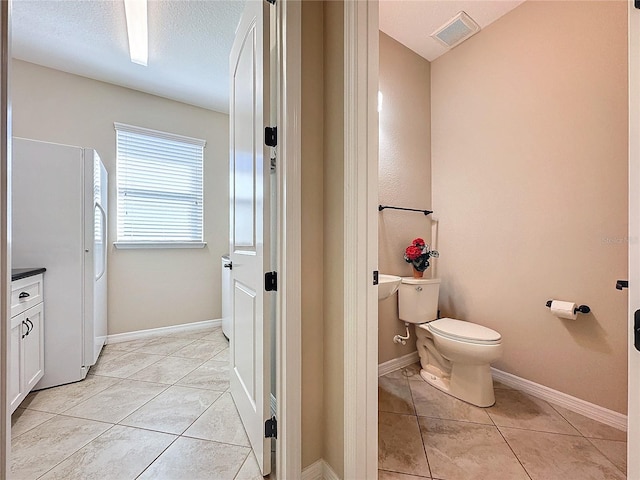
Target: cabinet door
[16, 385]
[33, 345]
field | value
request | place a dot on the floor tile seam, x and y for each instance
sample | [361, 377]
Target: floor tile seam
[579, 435]
[171, 433]
[457, 420]
[413, 400]
[514, 453]
[424, 447]
[603, 454]
[190, 371]
[564, 418]
[199, 388]
[242, 464]
[158, 456]
[88, 419]
[397, 413]
[76, 451]
[420, 476]
[73, 405]
[36, 426]
[203, 412]
[574, 426]
[168, 338]
[166, 387]
[148, 429]
[214, 441]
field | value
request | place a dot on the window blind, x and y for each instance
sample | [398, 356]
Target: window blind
[160, 187]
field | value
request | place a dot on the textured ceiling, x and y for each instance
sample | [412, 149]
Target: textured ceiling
[411, 22]
[189, 44]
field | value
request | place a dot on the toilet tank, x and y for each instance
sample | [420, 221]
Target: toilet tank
[418, 299]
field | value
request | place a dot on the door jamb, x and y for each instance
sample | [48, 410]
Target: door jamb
[5, 239]
[633, 414]
[289, 329]
[361, 39]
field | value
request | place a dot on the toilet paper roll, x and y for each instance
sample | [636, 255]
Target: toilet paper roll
[563, 309]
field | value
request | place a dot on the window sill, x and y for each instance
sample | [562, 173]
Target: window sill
[155, 245]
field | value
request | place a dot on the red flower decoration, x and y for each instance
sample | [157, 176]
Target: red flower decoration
[413, 252]
[418, 242]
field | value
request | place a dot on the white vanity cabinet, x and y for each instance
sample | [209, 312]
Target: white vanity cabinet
[26, 366]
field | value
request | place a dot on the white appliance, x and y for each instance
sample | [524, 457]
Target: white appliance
[59, 221]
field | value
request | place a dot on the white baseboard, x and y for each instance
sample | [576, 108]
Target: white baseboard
[590, 410]
[398, 363]
[155, 332]
[319, 470]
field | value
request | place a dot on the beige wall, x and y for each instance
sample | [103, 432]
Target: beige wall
[529, 158]
[312, 232]
[147, 288]
[333, 234]
[404, 176]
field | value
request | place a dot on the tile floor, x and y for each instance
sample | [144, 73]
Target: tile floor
[150, 409]
[424, 433]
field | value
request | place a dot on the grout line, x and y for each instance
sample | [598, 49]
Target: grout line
[514, 453]
[603, 454]
[158, 456]
[413, 403]
[242, 464]
[76, 451]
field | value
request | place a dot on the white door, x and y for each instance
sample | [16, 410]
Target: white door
[249, 226]
[633, 434]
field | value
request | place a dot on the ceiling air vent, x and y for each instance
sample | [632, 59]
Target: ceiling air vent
[456, 30]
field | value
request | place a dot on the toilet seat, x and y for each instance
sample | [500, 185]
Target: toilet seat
[464, 331]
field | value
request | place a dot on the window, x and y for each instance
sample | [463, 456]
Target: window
[159, 183]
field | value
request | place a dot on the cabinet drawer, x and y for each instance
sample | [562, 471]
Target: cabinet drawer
[25, 293]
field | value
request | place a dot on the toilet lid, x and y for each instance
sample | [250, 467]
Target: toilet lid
[467, 331]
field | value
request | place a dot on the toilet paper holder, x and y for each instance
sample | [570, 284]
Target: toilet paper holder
[580, 309]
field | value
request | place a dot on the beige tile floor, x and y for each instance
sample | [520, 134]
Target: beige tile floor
[150, 409]
[424, 433]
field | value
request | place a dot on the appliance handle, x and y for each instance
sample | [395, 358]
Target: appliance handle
[103, 221]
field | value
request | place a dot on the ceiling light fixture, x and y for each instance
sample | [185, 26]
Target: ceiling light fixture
[137, 31]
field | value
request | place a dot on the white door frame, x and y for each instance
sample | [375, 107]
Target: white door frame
[5, 238]
[360, 228]
[633, 414]
[288, 329]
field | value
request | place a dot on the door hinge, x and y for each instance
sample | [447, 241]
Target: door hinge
[271, 281]
[271, 136]
[375, 277]
[271, 428]
[620, 284]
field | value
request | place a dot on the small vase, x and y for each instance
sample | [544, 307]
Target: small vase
[417, 273]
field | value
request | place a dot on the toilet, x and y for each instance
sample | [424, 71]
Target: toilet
[455, 355]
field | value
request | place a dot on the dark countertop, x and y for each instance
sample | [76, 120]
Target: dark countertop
[18, 273]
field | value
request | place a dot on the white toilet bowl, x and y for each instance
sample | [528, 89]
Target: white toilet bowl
[455, 355]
